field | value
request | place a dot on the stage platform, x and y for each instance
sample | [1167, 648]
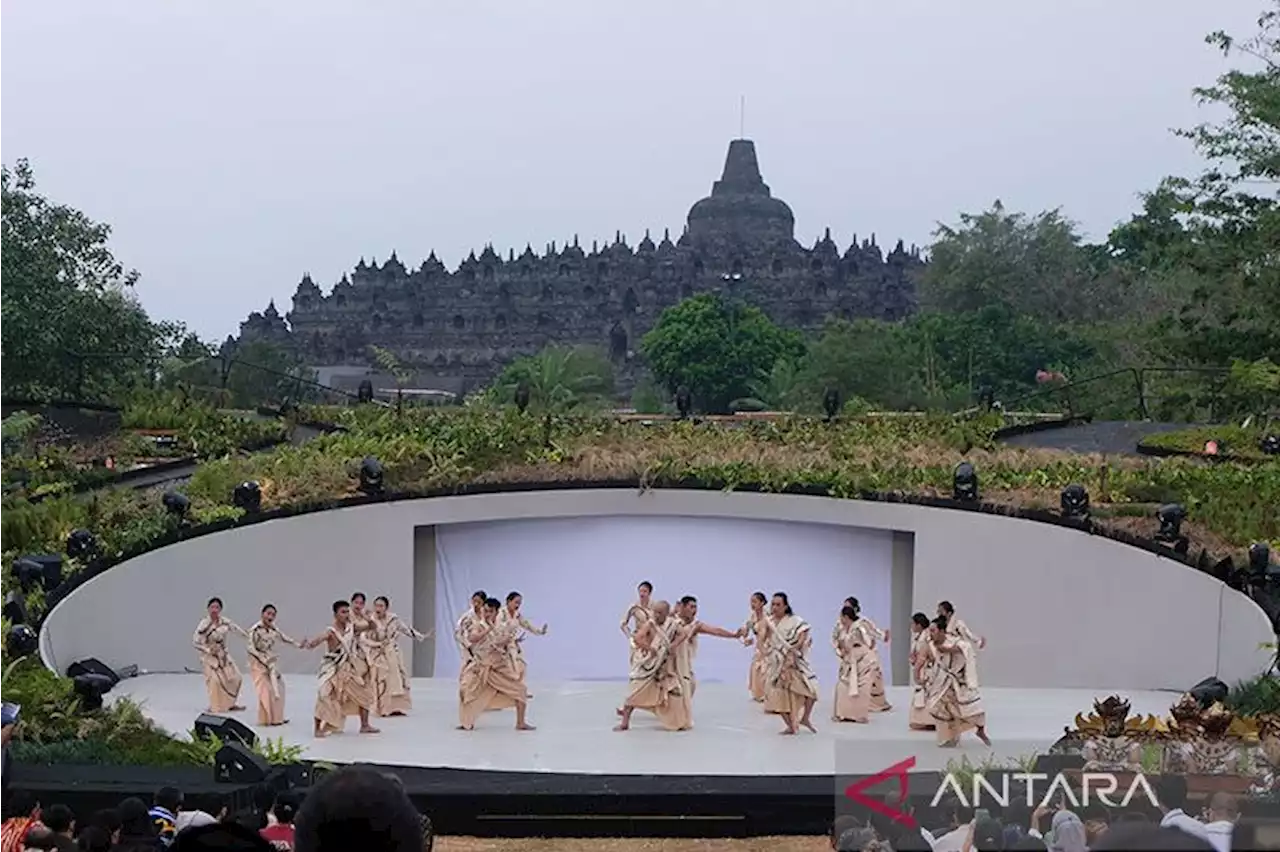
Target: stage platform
[733, 774]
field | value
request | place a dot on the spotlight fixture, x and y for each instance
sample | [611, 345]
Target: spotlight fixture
[1225, 570]
[1075, 502]
[831, 403]
[90, 688]
[522, 396]
[247, 496]
[1259, 559]
[15, 607]
[1170, 517]
[81, 544]
[684, 402]
[964, 483]
[370, 476]
[42, 569]
[1270, 444]
[176, 504]
[21, 641]
[364, 393]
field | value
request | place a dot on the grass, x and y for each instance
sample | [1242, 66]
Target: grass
[1233, 441]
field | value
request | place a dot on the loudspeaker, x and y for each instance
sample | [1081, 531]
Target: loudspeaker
[227, 730]
[1209, 691]
[236, 764]
[92, 666]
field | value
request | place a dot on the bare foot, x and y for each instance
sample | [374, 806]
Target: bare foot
[466, 727]
[810, 726]
[321, 735]
[525, 727]
[622, 727]
[949, 744]
[618, 711]
[982, 735]
[396, 713]
[369, 729]
[235, 707]
[787, 732]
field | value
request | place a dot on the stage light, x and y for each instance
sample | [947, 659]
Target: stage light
[684, 402]
[15, 607]
[1075, 502]
[522, 396]
[1270, 444]
[21, 641]
[90, 688]
[81, 544]
[1170, 517]
[176, 504]
[370, 476]
[1259, 559]
[43, 569]
[831, 403]
[364, 393]
[986, 397]
[247, 496]
[964, 483]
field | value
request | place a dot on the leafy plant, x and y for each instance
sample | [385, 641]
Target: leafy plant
[1254, 697]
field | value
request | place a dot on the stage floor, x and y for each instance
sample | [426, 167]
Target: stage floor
[732, 736]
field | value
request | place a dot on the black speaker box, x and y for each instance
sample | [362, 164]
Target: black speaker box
[236, 764]
[1209, 691]
[92, 666]
[225, 729]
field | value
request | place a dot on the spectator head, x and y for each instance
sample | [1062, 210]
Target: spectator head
[954, 813]
[220, 836]
[843, 823]
[41, 838]
[169, 798]
[1223, 807]
[285, 807]
[94, 838]
[357, 808]
[988, 835]
[19, 804]
[59, 819]
[855, 840]
[1150, 838]
[135, 821]
[1171, 792]
[108, 819]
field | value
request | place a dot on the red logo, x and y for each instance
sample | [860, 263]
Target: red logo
[859, 792]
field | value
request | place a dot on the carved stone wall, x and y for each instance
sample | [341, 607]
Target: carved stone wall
[459, 328]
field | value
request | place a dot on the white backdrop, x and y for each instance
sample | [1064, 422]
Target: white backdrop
[579, 575]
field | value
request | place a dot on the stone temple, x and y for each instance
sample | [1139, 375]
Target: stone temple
[457, 329]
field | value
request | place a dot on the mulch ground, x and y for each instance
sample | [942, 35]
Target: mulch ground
[619, 844]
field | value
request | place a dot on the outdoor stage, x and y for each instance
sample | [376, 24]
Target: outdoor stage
[732, 773]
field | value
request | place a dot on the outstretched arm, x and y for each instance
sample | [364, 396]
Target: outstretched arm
[712, 630]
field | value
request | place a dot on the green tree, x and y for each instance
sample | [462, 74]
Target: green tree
[720, 350]
[559, 378]
[72, 325]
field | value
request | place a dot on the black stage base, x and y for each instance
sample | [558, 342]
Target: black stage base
[477, 803]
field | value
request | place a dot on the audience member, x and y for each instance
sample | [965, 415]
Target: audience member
[164, 813]
[264, 799]
[136, 827]
[841, 824]
[1135, 837]
[40, 839]
[956, 819]
[1029, 843]
[60, 820]
[855, 840]
[108, 819]
[94, 838]
[1171, 791]
[1016, 820]
[280, 834]
[222, 837]
[988, 835]
[21, 814]
[1224, 810]
[358, 808]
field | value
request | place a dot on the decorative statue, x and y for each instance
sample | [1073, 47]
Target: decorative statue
[1110, 746]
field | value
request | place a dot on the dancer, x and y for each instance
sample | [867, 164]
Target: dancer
[639, 611]
[956, 627]
[511, 616]
[853, 691]
[222, 679]
[686, 651]
[921, 672]
[463, 628]
[757, 627]
[390, 680]
[953, 699]
[879, 703]
[491, 682]
[654, 684]
[264, 666]
[793, 687]
[344, 689]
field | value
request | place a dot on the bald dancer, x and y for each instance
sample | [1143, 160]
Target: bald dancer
[655, 685]
[684, 652]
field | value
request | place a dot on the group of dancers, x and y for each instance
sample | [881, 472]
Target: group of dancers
[945, 692]
[363, 671]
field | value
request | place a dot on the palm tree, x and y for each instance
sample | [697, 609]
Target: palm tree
[558, 378]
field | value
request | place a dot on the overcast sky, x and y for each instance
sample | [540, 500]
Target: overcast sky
[235, 145]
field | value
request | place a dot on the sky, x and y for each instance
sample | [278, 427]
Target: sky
[235, 145]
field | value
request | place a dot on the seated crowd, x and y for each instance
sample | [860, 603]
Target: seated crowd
[951, 827]
[352, 808]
